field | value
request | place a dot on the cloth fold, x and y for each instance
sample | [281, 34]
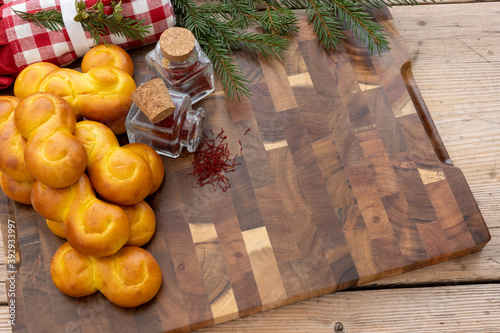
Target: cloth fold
[8, 68]
[23, 43]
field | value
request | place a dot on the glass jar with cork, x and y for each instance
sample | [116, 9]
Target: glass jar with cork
[179, 60]
[164, 119]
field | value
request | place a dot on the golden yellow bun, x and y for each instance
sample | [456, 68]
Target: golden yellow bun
[19, 191]
[92, 226]
[50, 202]
[57, 228]
[119, 175]
[102, 94]
[108, 55]
[118, 126]
[142, 224]
[52, 154]
[12, 143]
[99, 230]
[72, 272]
[154, 160]
[27, 80]
[129, 278]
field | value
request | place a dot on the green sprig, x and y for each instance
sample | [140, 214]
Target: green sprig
[223, 26]
[361, 23]
[229, 72]
[93, 20]
[126, 27]
[50, 19]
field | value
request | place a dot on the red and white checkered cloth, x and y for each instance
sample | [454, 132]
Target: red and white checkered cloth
[29, 43]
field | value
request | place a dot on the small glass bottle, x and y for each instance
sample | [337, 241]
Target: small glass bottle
[179, 60]
[183, 128]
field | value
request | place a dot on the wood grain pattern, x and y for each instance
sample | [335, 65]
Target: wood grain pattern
[437, 309]
[285, 226]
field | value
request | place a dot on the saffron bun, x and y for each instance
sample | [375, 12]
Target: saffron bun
[108, 55]
[118, 174]
[27, 81]
[19, 191]
[12, 143]
[56, 227]
[92, 226]
[129, 278]
[52, 154]
[142, 224]
[153, 159]
[72, 272]
[102, 94]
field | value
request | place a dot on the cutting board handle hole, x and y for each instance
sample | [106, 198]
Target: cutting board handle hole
[424, 114]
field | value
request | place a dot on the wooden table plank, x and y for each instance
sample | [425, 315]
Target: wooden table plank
[435, 75]
[471, 308]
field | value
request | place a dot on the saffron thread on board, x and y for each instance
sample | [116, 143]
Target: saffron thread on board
[212, 161]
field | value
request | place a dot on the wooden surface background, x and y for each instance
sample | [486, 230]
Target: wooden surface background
[455, 63]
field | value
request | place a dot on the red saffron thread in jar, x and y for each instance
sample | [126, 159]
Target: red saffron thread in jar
[212, 161]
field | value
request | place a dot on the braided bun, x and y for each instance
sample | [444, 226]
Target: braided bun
[102, 94]
[92, 226]
[129, 278]
[72, 272]
[18, 191]
[142, 224]
[108, 55]
[27, 81]
[53, 155]
[118, 174]
[12, 143]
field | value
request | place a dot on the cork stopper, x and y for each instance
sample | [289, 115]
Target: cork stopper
[177, 44]
[154, 100]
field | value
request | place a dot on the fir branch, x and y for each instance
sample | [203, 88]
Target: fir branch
[228, 71]
[50, 19]
[265, 44]
[389, 3]
[278, 20]
[96, 31]
[242, 12]
[93, 20]
[126, 27]
[221, 26]
[292, 4]
[217, 10]
[221, 32]
[328, 30]
[361, 24]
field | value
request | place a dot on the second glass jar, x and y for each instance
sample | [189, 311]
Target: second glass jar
[182, 129]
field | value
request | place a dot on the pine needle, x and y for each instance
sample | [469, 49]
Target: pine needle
[328, 30]
[50, 19]
[228, 71]
[361, 23]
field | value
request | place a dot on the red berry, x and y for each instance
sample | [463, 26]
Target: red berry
[107, 10]
[90, 3]
[106, 2]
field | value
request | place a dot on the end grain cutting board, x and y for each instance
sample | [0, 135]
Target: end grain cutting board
[343, 180]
